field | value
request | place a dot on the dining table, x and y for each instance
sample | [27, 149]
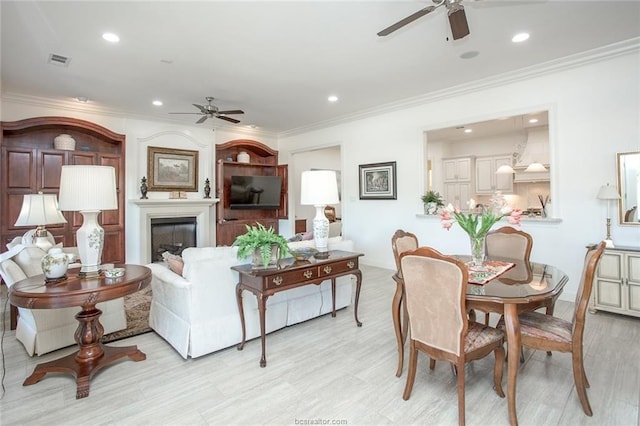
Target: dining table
[524, 286]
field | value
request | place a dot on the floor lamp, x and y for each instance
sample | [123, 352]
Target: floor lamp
[88, 190]
[39, 210]
[608, 193]
[319, 188]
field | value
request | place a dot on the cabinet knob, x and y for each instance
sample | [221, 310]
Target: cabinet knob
[308, 274]
[351, 264]
[327, 269]
[278, 280]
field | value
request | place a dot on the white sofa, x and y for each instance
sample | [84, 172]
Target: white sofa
[45, 330]
[197, 313]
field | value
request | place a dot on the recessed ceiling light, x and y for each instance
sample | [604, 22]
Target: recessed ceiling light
[520, 37]
[332, 98]
[533, 120]
[111, 37]
[470, 54]
[468, 130]
[157, 102]
[251, 126]
[82, 99]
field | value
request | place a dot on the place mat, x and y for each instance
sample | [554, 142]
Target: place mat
[488, 271]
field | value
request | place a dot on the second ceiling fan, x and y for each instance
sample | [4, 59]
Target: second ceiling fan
[455, 11]
[210, 110]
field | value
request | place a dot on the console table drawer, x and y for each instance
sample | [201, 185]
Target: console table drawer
[293, 277]
[338, 267]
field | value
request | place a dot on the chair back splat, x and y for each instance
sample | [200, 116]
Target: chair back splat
[435, 293]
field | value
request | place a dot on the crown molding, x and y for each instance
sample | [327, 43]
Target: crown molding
[568, 62]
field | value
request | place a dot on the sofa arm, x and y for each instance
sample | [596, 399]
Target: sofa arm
[170, 291]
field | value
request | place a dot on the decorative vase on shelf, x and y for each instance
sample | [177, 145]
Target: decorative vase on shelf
[207, 188]
[243, 157]
[64, 142]
[55, 264]
[143, 188]
[477, 250]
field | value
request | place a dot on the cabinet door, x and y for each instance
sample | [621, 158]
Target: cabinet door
[457, 194]
[633, 282]
[485, 175]
[503, 182]
[450, 168]
[457, 169]
[464, 169]
[608, 282]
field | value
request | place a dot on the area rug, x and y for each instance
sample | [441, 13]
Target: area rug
[137, 307]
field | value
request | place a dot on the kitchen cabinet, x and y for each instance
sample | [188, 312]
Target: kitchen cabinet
[616, 286]
[457, 194]
[487, 181]
[457, 169]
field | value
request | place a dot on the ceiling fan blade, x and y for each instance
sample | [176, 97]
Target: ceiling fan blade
[200, 107]
[401, 23]
[233, 111]
[232, 120]
[204, 117]
[458, 23]
[190, 113]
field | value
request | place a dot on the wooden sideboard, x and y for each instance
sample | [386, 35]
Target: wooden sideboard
[616, 286]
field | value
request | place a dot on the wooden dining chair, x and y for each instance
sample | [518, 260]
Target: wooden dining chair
[401, 242]
[435, 293]
[549, 333]
[510, 243]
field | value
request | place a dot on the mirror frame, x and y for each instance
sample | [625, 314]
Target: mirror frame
[622, 207]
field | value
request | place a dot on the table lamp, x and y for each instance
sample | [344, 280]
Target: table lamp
[88, 190]
[39, 210]
[319, 188]
[608, 193]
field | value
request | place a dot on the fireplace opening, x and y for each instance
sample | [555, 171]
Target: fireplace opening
[172, 234]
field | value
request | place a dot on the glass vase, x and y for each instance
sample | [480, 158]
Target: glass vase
[477, 250]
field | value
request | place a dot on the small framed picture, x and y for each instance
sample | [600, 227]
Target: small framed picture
[378, 181]
[172, 169]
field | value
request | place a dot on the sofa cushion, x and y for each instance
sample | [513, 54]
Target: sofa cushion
[173, 262]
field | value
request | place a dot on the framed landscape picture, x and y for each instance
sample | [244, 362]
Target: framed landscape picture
[172, 169]
[378, 181]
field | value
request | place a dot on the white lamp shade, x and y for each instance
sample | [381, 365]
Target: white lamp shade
[505, 169]
[608, 192]
[536, 167]
[39, 209]
[88, 188]
[319, 187]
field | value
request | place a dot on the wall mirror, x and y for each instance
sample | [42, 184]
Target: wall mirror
[629, 186]
[462, 161]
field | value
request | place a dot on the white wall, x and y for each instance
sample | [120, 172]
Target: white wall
[594, 113]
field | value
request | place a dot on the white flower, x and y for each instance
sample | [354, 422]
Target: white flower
[471, 204]
[505, 210]
[450, 208]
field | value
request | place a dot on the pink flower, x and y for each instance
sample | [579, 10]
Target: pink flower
[447, 224]
[445, 215]
[515, 217]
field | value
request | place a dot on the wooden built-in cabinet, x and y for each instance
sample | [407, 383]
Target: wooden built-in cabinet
[29, 163]
[616, 286]
[263, 162]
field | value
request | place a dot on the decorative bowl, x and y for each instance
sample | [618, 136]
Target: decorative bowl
[114, 273]
[303, 253]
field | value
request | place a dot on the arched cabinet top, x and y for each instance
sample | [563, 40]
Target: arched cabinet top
[60, 124]
[257, 148]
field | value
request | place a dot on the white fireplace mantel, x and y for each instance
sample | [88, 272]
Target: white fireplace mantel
[168, 208]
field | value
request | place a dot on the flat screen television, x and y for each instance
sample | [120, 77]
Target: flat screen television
[255, 192]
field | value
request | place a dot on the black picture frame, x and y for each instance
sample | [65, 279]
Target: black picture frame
[378, 181]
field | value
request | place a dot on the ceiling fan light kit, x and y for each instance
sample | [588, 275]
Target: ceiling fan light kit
[210, 110]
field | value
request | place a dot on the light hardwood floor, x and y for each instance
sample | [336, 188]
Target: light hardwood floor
[327, 369]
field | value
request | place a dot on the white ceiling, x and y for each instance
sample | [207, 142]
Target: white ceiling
[278, 61]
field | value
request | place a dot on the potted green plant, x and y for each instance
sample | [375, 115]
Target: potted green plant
[263, 244]
[432, 202]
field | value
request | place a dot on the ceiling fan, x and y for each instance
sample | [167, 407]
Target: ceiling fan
[455, 11]
[210, 110]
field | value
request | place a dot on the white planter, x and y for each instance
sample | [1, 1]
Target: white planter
[55, 264]
[64, 142]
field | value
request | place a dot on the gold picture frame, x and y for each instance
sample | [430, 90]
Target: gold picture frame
[172, 169]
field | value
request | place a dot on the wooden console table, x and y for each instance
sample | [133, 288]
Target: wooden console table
[291, 274]
[92, 355]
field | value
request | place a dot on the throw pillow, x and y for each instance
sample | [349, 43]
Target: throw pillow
[174, 262]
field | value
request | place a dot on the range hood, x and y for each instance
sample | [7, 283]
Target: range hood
[535, 150]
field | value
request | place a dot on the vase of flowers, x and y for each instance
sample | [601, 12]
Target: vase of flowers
[476, 225]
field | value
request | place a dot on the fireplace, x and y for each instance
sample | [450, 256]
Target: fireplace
[172, 234]
[139, 246]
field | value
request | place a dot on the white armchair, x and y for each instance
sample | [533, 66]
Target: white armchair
[45, 330]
